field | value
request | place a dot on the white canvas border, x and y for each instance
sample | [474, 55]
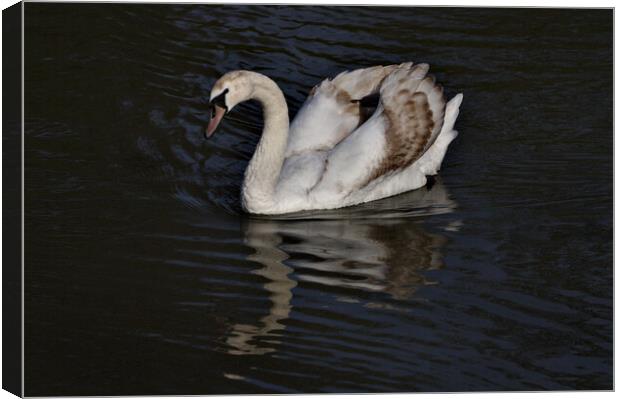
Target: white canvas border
[479, 3]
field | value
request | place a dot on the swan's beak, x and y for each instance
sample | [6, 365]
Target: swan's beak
[217, 113]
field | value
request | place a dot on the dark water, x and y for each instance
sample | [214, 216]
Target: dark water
[143, 276]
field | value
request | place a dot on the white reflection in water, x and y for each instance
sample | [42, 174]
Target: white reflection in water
[346, 250]
[279, 285]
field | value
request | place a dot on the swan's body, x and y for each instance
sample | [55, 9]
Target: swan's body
[331, 156]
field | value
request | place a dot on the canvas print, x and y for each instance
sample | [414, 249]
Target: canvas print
[247, 199]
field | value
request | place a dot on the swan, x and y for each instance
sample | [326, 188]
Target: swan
[364, 135]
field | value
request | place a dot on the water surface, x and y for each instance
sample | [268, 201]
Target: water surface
[143, 276]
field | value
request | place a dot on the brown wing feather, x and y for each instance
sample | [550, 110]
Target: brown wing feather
[335, 100]
[362, 82]
[413, 111]
[349, 87]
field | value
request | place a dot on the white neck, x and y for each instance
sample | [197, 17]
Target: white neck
[261, 175]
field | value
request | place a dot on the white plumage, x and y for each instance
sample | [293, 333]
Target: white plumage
[334, 155]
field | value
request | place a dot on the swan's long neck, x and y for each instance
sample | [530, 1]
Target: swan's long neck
[261, 175]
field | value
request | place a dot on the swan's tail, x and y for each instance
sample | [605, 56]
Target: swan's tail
[452, 112]
[430, 162]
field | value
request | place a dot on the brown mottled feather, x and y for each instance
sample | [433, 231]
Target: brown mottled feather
[350, 86]
[413, 110]
[362, 82]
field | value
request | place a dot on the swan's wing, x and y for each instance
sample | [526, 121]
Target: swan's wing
[406, 123]
[413, 109]
[332, 110]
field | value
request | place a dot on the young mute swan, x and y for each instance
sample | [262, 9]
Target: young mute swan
[364, 135]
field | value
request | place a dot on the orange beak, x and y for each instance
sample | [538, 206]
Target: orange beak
[216, 116]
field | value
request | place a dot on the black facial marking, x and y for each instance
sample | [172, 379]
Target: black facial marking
[220, 101]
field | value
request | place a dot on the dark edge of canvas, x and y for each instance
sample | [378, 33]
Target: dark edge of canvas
[12, 199]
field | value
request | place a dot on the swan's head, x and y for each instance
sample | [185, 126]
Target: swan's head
[231, 89]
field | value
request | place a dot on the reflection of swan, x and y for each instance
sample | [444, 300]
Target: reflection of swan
[279, 287]
[361, 254]
[378, 254]
[336, 154]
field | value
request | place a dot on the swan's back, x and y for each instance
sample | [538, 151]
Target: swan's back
[391, 152]
[329, 115]
[331, 112]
